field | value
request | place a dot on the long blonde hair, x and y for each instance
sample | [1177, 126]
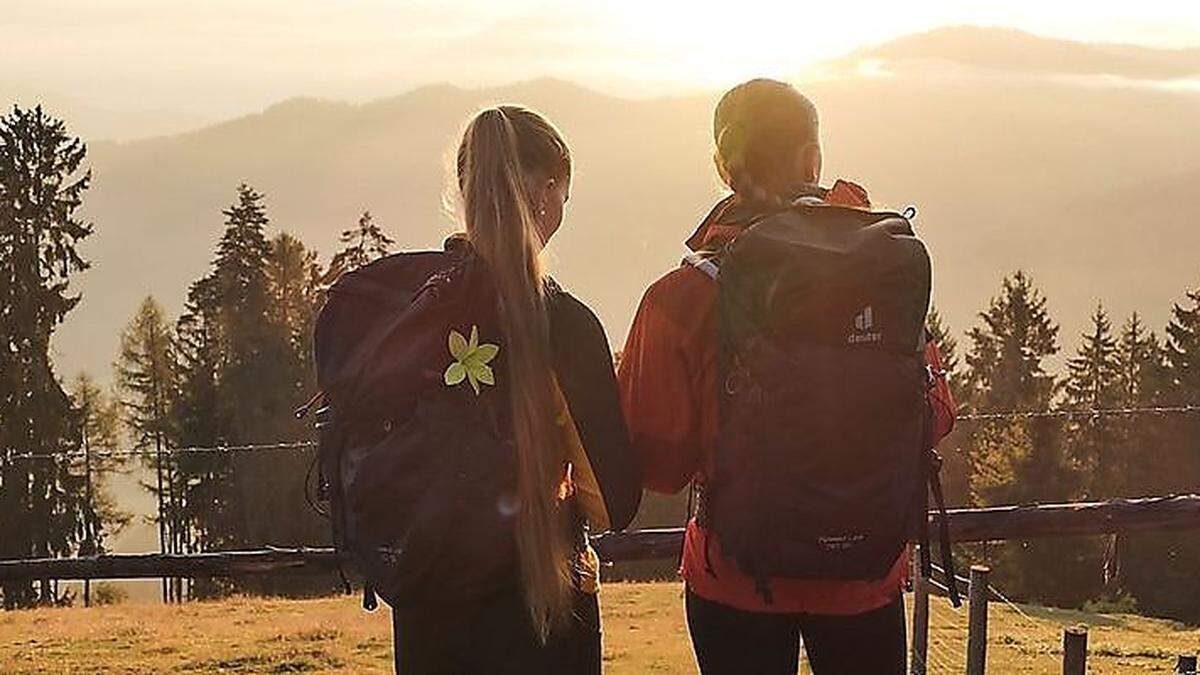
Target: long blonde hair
[503, 151]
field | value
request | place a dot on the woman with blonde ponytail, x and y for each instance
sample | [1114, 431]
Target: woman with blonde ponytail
[547, 374]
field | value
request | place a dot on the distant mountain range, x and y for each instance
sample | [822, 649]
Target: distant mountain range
[1011, 50]
[1091, 189]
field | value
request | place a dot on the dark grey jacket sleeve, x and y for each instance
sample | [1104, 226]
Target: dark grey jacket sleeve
[584, 365]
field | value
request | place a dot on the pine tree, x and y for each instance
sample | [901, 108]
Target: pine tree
[100, 420]
[253, 379]
[1016, 460]
[245, 350]
[41, 189]
[1093, 383]
[1160, 569]
[361, 245]
[147, 377]
[1022, 460]
[1139, 363]
[296, 297]
[1179, 384]
[201, 420]
[101, 427]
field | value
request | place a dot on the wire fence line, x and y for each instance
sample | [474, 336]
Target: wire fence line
[309, 444]
[214, 450]
[1067, 413]
[948, 627]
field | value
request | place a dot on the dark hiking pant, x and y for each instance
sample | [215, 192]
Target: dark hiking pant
[731, 641]
[494, 635]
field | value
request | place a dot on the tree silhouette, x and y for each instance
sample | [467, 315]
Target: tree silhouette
[147, 377]
[101, 427]
[1093, 383]
[361, 245]
[43, 502]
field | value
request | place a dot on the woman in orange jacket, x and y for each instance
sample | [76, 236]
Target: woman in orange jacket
[768, 154]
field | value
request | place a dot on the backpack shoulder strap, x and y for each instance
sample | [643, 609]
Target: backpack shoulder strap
[708, 262]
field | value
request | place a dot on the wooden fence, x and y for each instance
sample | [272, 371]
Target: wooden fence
[1174, 513]
[1180, 512]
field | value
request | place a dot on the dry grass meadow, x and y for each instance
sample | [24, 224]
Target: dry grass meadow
[644, 633]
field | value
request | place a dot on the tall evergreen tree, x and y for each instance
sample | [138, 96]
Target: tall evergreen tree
[295, 284]
[1183, 348]
[41, 188]
[1022, 460]
[147, 377]
[1160, 569]
[100, 420]
[1093, 383]
[1139, 363]
[246, 353]
[360, 245]
[254, 348]
[1018, 459]
[201, 420]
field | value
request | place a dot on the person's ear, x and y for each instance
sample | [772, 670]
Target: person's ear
[810, 160]
[542, 195]
[722, 170]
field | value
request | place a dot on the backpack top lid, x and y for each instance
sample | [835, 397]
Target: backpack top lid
[829, 274]
[383, 336]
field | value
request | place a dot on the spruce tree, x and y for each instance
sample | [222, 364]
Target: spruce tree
[101, 428]
[1160, 568]
[1093, 383]
[43, 500]
[147, 377]
[245, 355]
[100, 422]
[1017, 459]
[1021, 459]
[296, 297]
[201, 421]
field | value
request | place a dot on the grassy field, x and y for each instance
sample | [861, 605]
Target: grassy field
[644, 633]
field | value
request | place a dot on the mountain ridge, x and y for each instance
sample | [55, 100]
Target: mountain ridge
[1011, 49]
[1006, 174]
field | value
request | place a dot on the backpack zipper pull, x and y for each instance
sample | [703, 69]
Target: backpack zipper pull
[303, 410]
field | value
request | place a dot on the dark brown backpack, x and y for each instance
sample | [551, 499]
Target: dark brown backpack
[820, 468]
[419, 475]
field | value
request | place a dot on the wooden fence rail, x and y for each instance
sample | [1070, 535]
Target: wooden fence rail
[1180, 512]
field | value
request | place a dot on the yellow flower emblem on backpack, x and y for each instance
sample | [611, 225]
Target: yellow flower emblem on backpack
[471, 360]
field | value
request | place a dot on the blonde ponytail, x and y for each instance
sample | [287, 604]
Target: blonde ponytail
[503, 150]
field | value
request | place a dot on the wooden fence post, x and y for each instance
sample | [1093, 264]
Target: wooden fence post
[1075, 639]
[977, 621]
[920, 617]
[1186, 664]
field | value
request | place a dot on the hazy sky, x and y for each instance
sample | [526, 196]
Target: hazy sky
[136, 67]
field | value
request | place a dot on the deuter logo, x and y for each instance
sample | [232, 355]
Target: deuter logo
[864, 322]
[865, 319]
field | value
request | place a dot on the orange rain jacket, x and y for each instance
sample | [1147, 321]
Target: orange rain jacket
[668, 382]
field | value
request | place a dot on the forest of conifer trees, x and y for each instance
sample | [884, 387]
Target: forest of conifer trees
[230, 369]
